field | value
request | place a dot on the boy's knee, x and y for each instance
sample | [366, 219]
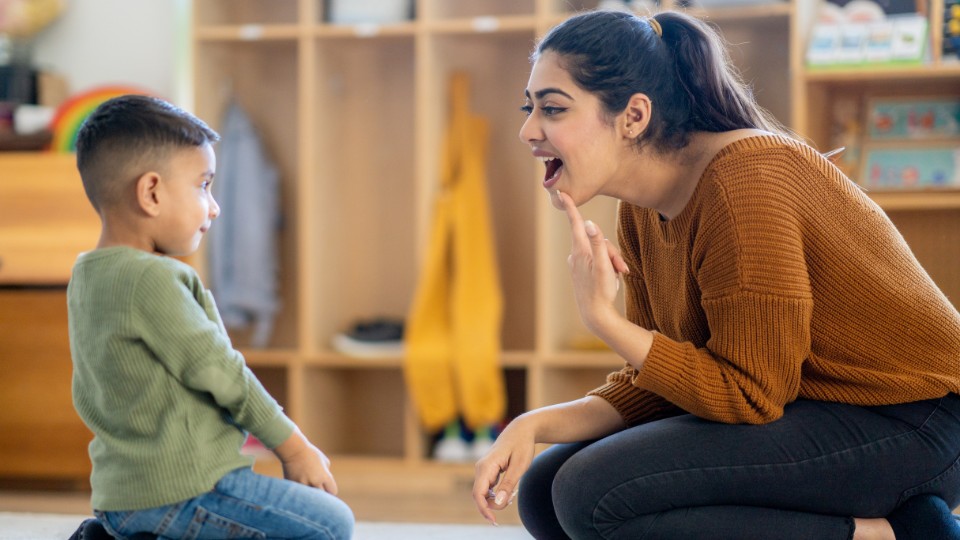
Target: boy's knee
[337, 520]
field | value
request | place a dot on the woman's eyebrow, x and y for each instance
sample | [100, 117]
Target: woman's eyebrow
[539, 94]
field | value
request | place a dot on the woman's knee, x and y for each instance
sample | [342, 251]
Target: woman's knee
[535, 500]
[574, 502]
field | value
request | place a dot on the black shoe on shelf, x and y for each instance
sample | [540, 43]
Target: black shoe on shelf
[374, 338]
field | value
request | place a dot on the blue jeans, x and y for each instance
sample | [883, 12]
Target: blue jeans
[803, 476]
[243, 504]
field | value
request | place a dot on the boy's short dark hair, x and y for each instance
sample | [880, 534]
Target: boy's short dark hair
[130, 135]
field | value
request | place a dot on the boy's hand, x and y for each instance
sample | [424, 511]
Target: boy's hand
[305, 463]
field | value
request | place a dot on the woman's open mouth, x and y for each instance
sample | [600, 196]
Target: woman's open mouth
[552, 174]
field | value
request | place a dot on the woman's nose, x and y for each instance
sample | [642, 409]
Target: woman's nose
[530, 130]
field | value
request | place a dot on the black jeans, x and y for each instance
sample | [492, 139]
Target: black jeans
[802, 477]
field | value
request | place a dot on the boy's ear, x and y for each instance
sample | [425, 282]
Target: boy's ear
[148, 196]
[636, 117]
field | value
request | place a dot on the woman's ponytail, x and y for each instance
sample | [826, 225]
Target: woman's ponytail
[720, 100]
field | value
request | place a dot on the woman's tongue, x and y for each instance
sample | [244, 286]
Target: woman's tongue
[552, 173]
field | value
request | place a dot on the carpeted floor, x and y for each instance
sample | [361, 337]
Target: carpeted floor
[32, 526]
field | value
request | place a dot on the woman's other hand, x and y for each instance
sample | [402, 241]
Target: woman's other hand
[498, 473]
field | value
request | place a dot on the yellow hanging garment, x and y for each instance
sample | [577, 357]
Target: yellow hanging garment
[452, 339]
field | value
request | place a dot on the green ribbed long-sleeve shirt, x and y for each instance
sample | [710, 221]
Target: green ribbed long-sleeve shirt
[157, 380]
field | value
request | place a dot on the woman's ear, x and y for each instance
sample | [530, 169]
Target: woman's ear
[148, 193]
[636, 117]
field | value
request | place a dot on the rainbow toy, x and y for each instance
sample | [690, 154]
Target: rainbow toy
[70, 115]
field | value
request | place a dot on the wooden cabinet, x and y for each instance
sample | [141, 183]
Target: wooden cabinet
[45, 222]
[354, 116]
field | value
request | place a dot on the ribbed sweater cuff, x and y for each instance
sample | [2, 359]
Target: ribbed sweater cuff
[635, 405]
[660, 373]
[274, 432]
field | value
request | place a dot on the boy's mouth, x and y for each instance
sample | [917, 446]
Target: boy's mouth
[552, 173]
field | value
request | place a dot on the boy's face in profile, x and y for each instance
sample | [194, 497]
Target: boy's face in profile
[187, 207]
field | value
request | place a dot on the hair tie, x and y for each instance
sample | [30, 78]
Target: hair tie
[656, 26]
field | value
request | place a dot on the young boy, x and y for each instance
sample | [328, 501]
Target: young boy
[155, 376]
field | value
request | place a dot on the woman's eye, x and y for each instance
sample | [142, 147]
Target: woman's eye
[546, 110]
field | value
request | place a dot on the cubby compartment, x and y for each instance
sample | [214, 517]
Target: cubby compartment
[356, 412]
[250, 74]
[245, 12]
[515, 384]
[498, 69]
[362, 224]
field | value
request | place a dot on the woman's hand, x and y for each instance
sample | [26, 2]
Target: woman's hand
[497, 476]
[498, 473]
[595, 265]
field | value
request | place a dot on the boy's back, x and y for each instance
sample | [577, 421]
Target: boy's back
[153, 373]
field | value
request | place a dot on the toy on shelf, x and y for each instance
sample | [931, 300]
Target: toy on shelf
[867, 33]
[951, 30]
[70, 115]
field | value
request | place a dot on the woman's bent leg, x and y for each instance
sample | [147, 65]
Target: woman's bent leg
[814, 468]
[534, 499]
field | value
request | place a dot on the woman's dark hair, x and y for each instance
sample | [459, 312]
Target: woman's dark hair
[686, 72]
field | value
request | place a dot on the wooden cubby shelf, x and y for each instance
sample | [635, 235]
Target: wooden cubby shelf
[355, 117]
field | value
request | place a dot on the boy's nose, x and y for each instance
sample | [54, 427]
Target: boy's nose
[214, 208]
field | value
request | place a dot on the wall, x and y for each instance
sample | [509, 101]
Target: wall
[139, 42]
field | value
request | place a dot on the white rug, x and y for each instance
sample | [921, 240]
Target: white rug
[25, 526]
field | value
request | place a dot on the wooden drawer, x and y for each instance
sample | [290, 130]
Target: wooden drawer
[45, 218]
[42, 438]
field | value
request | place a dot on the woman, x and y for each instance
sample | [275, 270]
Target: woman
[791, 370]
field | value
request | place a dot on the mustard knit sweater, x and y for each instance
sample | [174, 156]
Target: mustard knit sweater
[780, 279]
